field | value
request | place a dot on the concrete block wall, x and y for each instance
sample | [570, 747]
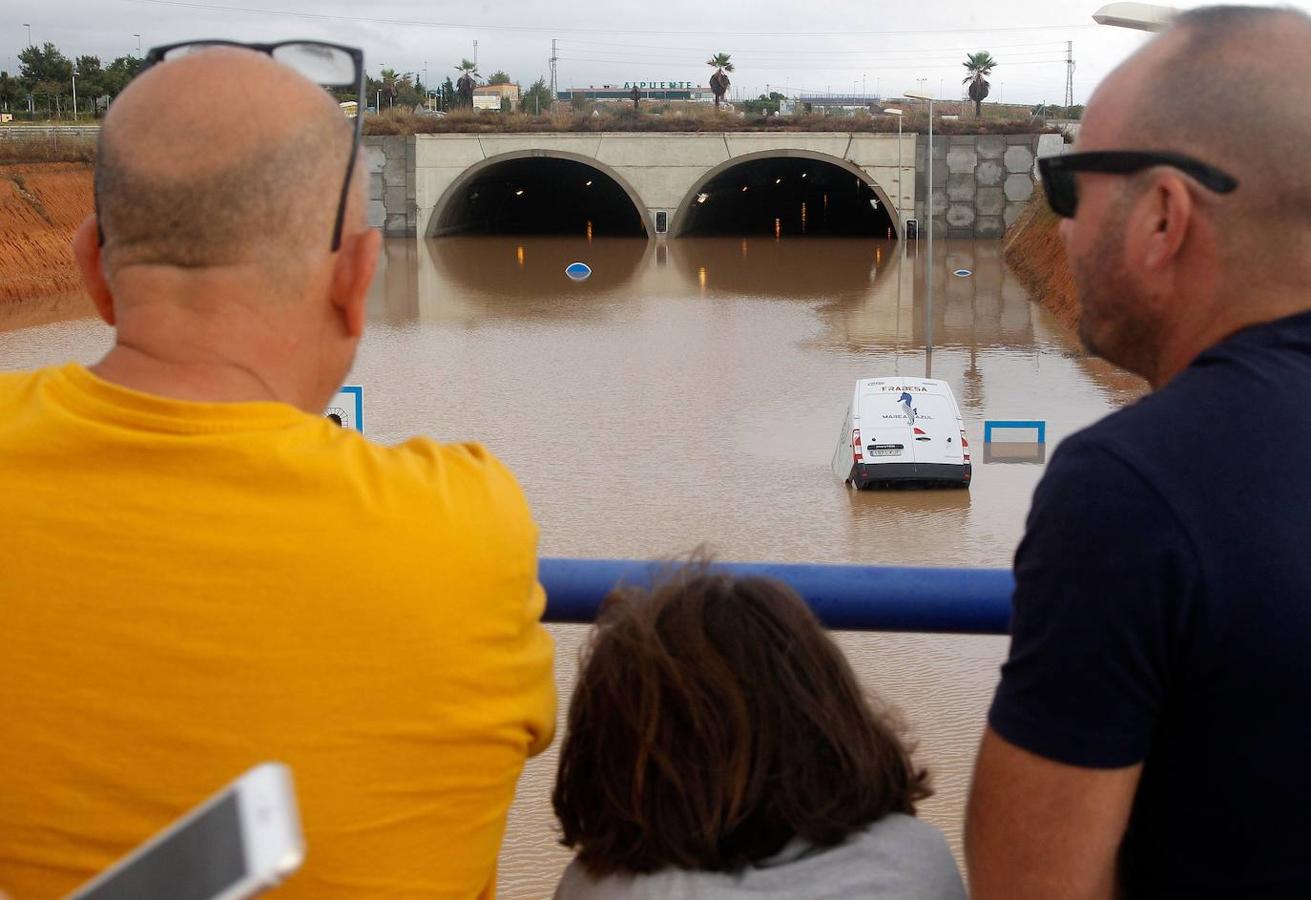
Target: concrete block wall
[389, 167]
[981, 182]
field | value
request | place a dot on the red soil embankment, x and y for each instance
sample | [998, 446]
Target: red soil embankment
[1034, 251]
[41, 205]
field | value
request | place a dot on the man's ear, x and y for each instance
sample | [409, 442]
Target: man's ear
[352, 275]
[86, 251]
[1169, 210]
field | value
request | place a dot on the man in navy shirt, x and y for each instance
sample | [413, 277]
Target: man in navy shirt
[1151, 735]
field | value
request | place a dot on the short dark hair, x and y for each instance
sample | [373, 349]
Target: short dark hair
[713, 722]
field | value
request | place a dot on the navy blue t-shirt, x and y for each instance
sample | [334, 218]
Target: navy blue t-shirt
[1163, 616]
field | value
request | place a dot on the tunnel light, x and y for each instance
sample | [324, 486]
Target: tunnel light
[588, 184]
[804, 174]
[874, 202]
[778, 181]
[745, 188]
[702, 198]
[519, 193]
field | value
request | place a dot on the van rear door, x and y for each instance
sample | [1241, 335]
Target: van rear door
[885, 430]
[937, 430]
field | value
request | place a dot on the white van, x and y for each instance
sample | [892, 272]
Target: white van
[903, 431]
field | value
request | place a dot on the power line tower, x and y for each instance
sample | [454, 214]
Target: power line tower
[1069, 73]
[554, 88]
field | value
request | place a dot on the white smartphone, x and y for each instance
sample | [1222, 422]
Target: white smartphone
[240, 842]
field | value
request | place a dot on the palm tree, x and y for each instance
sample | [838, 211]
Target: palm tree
[719, 82]
[978, 65]
[467, 82]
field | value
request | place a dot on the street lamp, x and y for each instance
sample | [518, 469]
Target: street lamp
[138, 37]
[928, 267]
[1139, 16]
[75, 92]
[29, 33]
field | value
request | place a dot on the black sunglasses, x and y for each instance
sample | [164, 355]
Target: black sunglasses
[1058, 173]
[328, 65]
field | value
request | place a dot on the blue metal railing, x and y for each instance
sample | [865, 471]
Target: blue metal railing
[848, 598]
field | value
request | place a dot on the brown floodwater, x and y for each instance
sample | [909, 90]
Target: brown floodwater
[692, 394]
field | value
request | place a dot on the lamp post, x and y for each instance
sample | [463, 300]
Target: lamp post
[29, 33]
[928, 266]
[138, 37]
[901, 265]
[75, 92]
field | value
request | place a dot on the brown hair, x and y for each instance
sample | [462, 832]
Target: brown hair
[714, 721]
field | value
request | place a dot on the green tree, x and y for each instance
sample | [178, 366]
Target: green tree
[537, 98]
[499, 77]
[764, 105]
[978, 65]
[11, 93]
[448, 93]
[393, 83]
[467, 82]
[719, 82]
[122, 70]
[90, 82]
[45, 63]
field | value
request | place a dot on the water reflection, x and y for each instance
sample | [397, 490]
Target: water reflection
[501, 273]
[788, 269]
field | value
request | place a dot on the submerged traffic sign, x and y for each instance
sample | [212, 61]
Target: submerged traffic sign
[347, 408]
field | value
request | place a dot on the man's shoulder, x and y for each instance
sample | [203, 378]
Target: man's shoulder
[427, 476]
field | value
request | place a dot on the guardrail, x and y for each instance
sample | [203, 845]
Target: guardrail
[845, 598]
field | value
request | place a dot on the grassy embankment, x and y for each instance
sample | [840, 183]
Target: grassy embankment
[662, 118]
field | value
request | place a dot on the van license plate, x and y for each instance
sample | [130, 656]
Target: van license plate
[886, 451]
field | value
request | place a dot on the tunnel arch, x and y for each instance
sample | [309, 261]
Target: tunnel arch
[441, 221]
[683, 215]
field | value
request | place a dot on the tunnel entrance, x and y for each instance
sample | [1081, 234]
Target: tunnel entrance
[787, 196]
[541, 195]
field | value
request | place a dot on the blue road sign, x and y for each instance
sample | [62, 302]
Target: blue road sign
[578, 271]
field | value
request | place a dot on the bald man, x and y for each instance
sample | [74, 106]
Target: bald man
[1150, 736]
[200, 572]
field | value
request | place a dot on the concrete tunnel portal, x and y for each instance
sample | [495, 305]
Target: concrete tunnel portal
[539, 194]
[786, 196]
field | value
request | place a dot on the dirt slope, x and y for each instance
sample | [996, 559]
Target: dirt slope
[41, 205]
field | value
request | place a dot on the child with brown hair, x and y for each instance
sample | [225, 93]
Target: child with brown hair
[719, 746]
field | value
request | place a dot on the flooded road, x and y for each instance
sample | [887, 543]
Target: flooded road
[693, 393]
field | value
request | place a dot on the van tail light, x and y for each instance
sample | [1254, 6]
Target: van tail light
[856, 455]
[965, 444]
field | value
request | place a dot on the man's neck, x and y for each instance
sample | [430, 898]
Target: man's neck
[204, 381]
[208, 349]
[1205, 328]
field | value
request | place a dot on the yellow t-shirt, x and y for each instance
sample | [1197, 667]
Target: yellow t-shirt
[187, 589]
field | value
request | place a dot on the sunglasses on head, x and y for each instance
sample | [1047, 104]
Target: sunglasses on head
[1058, 173]
[327, 65]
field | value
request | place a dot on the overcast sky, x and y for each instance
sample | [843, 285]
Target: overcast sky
[838, 46]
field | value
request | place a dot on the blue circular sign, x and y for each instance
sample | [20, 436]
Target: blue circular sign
[578, 271]
[962, 273]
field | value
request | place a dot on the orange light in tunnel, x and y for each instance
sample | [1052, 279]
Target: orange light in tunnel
[803, 218]
[744, 248]
[778, 228]
[589, 229]
[518, 254]
[701, 276]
